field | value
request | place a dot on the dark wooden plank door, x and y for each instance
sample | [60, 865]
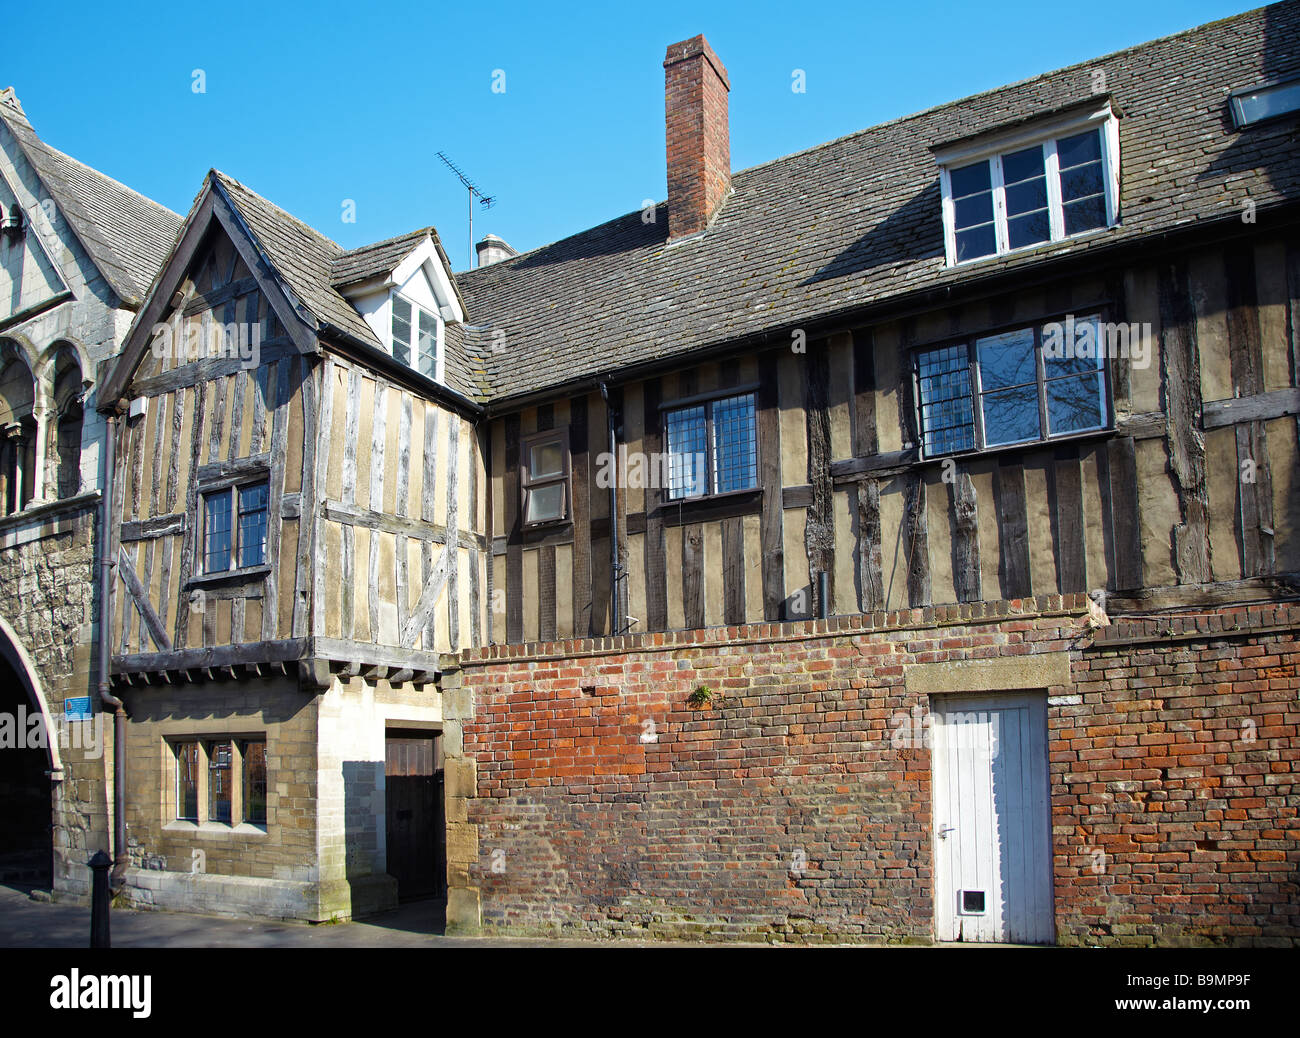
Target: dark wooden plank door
[416, 831]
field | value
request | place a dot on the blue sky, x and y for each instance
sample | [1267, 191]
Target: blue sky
[313, 104]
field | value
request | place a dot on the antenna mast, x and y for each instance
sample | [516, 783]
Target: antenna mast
[486, 201]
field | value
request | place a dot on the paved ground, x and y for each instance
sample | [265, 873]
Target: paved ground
[25, 923]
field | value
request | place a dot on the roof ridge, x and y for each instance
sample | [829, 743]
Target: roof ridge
[388, 241]
[227, 179]
[112, 180]
[898, 120]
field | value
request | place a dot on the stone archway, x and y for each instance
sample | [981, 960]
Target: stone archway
[29, 759]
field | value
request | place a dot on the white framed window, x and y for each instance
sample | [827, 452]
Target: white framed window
[1035, 186]
[1025, 385]
[416, 337]
[1265, 101]
[545, 482]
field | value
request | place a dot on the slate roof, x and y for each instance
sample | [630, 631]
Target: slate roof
[373, 260]
[126, 235]
[857, 222]
[309, 264]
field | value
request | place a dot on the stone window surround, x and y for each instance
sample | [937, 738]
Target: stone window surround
[203, 735]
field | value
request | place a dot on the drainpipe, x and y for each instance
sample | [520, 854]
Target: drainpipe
[108, 700]
[614, 567]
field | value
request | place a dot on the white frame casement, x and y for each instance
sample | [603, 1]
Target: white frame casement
[1046, 133]
[414, 345]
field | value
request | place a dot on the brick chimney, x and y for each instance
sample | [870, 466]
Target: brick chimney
[699, 145]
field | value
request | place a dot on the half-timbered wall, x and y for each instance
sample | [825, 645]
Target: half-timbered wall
[1195, 484]
[391, 478]
[400, 557]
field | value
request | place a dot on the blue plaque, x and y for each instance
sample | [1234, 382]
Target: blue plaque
[77, 708]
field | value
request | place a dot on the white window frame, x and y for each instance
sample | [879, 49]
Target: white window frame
[991, 149]
[1268, 86]
[414, 345]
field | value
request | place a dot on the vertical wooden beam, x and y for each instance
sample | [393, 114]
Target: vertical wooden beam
[865, 505]
[656, 551]
[916, 530]
[237, 414]
[579, 459]
[1125, 524]
[274, 523]
[307, 496]
[514, 550]
[819, 527]
[771, 520]
[472, 524]
[693, 575]
[1013, 530]
[428, 507]
[965, 538]
[350, 434]
[1245, 352]
[1181, 375]
[733, 570]
[325, 435]
[1069, 542]
[453, 531]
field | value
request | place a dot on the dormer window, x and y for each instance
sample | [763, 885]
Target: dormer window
[1265, 101]
[1017, 190]
[415, 336]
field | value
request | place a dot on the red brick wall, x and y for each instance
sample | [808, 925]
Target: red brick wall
[585, 824]
[697, 135]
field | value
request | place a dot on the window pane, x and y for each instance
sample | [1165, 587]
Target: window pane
[979, 241]
[545, 459]
[1085, 214]
[687, 463]
[216, 532]
[252, 525]
[1028, 230]
[255, 782]
[1075, 403]
[187, 781]
[1007, 359]
[219, 782]
[401, 330]
[1011, 416]
[735, 445]
[428, 349]
[545, 502]
[1023, 165]
[947, 415]
[976, 209]
[1072, 348]
[1081, 181]
[1027, 196]
[969, 180]
[1081, 148]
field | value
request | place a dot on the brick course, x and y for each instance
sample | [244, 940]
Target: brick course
[787, 810]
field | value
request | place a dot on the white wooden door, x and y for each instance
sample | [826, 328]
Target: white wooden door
[992, 818]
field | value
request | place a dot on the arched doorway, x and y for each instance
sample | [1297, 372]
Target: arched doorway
[26, 835]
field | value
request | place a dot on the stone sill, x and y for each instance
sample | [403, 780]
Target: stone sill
[218, 830]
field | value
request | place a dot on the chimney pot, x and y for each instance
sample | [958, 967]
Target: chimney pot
[698, 142]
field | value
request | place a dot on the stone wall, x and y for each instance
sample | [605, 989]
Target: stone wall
[789, 809]
[47, 600]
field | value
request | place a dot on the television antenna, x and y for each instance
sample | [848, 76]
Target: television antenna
[486, 201]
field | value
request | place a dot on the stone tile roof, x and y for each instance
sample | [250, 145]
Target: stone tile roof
[126, 235]
[379, 258]
[309, 264]
[856, 221]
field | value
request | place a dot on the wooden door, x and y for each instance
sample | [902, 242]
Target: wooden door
[992, 837]
[413, 795]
